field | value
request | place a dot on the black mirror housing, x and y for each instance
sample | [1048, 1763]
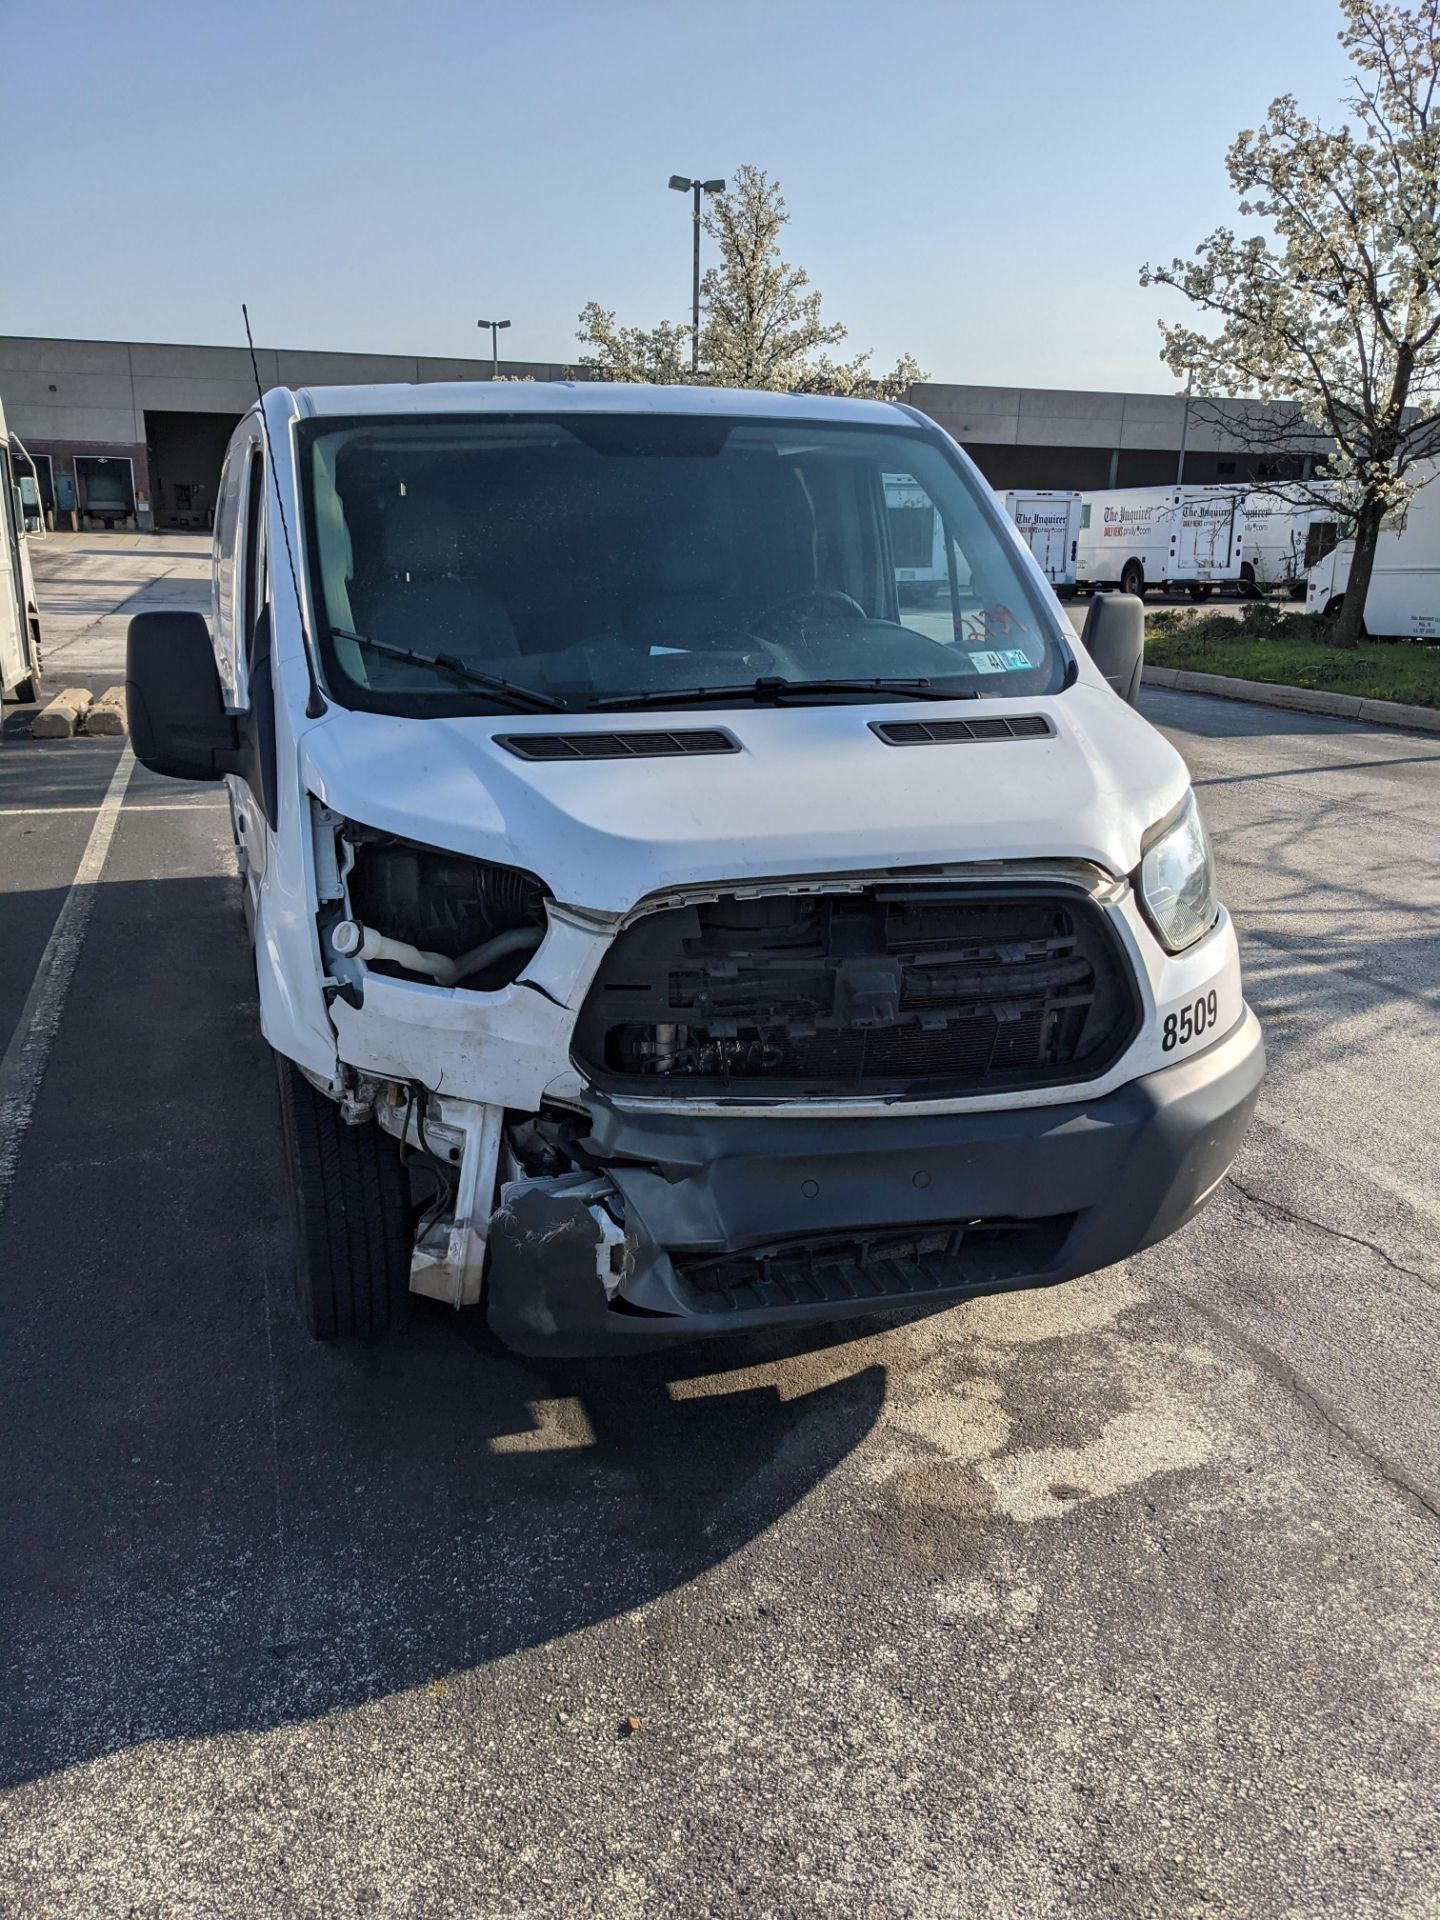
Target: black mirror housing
[1114, 638]
[178, 722]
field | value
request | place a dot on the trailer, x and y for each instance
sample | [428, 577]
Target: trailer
[1135, 538]
[1288, 530]
[1049, 522]
[1403, 600]
[19, 610]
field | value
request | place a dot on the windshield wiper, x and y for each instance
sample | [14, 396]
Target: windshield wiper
[772, 690]
[447, 663]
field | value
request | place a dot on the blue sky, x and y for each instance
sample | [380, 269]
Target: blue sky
[975, 183]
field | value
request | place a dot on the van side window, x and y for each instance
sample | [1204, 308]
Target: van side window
[227, 547]
[1084, 515]
[253, 600]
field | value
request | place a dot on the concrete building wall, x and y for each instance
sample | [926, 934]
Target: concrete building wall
[115, 397]
[64, 396]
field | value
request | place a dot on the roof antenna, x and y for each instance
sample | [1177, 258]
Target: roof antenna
[315, 705]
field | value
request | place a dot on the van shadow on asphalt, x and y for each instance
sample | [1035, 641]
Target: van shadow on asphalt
[209, 1523]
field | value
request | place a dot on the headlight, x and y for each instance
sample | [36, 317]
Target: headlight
[1177, 881]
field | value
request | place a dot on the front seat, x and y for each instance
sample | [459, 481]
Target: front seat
[686, 605]
[426, 595]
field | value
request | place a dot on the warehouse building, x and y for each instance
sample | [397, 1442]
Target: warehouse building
[131, 434]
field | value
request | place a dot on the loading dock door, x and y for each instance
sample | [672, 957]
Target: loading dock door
[106, 483]
[186, 453]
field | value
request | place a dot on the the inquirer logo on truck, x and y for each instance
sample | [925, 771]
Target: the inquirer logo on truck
[1120, 520]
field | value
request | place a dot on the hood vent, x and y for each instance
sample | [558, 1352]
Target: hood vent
[944, 733]
[651, 744]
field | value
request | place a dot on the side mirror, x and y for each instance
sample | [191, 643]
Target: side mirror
[178, 722]
[1114, 638]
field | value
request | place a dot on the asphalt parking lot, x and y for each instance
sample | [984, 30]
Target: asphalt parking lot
[1119, 1600]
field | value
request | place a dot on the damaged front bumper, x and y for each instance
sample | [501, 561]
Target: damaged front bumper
[689, 1226]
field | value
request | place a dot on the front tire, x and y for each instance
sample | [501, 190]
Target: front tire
[1132, 579]
[1248, 590]
[29, 691]
[349, 1216]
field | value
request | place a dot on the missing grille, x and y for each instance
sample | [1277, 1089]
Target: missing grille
[896, 989]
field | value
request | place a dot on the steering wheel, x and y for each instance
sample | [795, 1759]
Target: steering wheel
[821, 600]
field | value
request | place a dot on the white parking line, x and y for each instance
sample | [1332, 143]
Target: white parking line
[136, 806]
[23, 1067]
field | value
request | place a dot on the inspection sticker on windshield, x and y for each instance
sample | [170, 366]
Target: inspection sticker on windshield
[1011, 661]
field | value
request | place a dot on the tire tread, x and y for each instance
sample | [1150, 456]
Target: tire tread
[350, 1211]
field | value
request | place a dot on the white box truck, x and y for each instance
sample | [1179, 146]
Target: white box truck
[1287, 531]
[1139, 537]
[1049, 523]
[917, 539]
[1404, 595]
[19, 611]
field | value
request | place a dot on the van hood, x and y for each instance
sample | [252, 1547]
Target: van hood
[813, 790]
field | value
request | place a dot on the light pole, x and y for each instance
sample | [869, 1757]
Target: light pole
[1185, 428]
[697, 187]
[494, 326]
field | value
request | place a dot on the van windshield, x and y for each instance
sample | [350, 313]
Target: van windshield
[602, 560]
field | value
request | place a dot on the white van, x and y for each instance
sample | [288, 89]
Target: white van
[19, 608]
[1287, 531]
[1135, 538]
[1404, 595]
[1049, 523]
[661, 929]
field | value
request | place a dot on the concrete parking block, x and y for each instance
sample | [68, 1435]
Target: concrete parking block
[107, 715]
[60, 717]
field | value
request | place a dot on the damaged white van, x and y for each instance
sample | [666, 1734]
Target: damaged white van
[664, 927]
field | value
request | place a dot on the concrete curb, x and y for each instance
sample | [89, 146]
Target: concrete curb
[1341, 706]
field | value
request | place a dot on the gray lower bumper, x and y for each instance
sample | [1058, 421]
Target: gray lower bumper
[1059, 1190]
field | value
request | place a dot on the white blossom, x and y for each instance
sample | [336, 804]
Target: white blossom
[1333, 310]
[762, 321]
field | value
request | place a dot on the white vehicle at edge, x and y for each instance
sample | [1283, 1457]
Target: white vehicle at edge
[661, 930]
[1287, 531]
[1139, 537]
[1049, 524]
[917, 537]
[19, 608]
[1403, 599]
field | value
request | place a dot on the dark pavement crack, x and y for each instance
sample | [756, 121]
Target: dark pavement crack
[1268, 1205]
[1427, 1499]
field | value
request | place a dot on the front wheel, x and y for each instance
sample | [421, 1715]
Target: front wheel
[349, 1216]
[29, 690]
[1248, 589]
[1132, 579]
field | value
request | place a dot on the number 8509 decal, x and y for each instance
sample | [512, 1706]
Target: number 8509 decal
[1189, 1023]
